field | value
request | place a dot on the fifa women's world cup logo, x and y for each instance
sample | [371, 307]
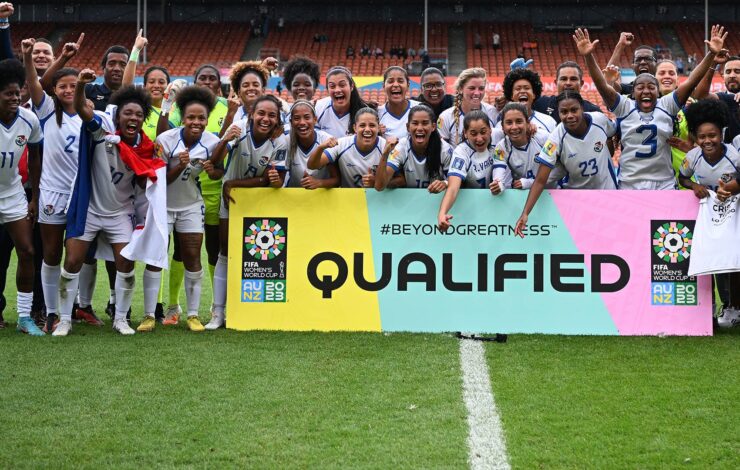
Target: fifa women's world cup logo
[672, 242]
[266, 240]
[264, 259]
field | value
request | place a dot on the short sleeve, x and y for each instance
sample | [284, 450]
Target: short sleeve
[46, 108]
[397, 158]
[736, 142]
[623, 106]
[36, 135]
[670, 103]
[687, 165]
[459, 165]
[550, 151]
[280, 152]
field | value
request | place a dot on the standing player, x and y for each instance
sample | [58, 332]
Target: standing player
[187, 151]
[257, 160]
[303, 139]
[731, 76]
[644, 61]
[433, 91]
[394, 113]
[357, 156]
[472, 165]
[422, 157]
[579, 145]
[113, 63]
[301, 78]
[568, 76]
[470, 90]
[336, 112]
[524, 86]
[20, 132]
[248, 82]
[646, 123]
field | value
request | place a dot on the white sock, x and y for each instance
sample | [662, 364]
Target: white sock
[68, 283]
[192, 291]
[112, 299]
[88, 273]
[24, 302]
[219, 285]
[50, 285]
[124, 293]
[151, 291]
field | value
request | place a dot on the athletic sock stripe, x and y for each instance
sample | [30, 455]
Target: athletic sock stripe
[486, 441]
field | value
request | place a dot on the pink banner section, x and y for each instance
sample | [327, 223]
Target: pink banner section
[658, 299]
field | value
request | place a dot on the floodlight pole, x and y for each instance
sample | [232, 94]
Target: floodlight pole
[426, 25]
[706, 25]
[146, 22]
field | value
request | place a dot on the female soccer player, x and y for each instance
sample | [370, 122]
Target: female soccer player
[357, 156]
[301, 77]
[433, 91]
[709, 163]
[248, 82]
[422, 157]
[113, 152]
[257, 160]
[524, 86]
[646, 123]
[472, 164]
[20, 132]
[394, 113]
[336, 112]
[187, 151]
[303, 139]
[470, 90]
[519, 148]
[579, 145]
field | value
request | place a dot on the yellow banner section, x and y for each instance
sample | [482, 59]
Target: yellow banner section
[272, 232]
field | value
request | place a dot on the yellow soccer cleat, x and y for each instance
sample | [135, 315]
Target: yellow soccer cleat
[147, 324]
[194, 324]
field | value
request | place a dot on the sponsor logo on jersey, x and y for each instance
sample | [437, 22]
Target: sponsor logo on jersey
[264, 259]
[21, 140]
[458, 163]
[599, 146]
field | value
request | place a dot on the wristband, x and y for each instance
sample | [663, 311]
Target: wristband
[4, 21]
[134, 57]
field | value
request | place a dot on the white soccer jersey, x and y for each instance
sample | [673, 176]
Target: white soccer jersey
[521, 161]
[454, 135]
[61, 147]
[112, 191]
[696, 165]
[248, 160]
[645, 153]
[352, 163]
[24, 130]
[395, 125]
[328, 121]
[184, 192]
[298, 162]
[586, 159]
[474, 168]
[403, 158]
[543, 122]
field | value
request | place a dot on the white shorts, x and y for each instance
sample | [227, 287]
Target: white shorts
[190, 220]
[223, 211]
[14, 207]
[648, 185]
[53, 207]
[117, 228]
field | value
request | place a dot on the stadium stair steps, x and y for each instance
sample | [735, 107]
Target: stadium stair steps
[457, 49]
[670, 38]
[252, 49]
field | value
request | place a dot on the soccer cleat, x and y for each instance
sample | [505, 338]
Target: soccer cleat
[63, 328]
[111, 310]
[730, 317]
[147, 324]
[52, 320]
[26, 325]
[159, 313]
[217, 321]
[39, 317]
[173, 315]
[87, 315]
[75, 306]
[194, 324]
[123, 327]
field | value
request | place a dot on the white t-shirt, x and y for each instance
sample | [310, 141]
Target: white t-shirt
[586, 159]
[352, 163]
[24, 130]
[249, 160]
[184, 192]
[61, 147]
[403, 158]
[328, 121]
[454, 135]
[474, 168]
[395, 125]
[706, 174]
[298, 162]
[714, 246]
[646, 154]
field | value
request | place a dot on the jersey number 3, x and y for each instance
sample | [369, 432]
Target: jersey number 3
[649, 140]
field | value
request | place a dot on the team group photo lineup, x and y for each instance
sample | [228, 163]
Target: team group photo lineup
[118, 160]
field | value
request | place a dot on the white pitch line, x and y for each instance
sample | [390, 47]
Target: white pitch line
[486, 435]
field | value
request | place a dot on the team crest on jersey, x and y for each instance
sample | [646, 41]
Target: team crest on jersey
[48, 209]
[646, 118]
[550, 148]
[264, 160]
[221, 122]
[599, 146]
[21, 140]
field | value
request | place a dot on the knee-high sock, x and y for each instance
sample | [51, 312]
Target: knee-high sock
[124, 293]
[68, 283]
[211, 271]
[160, 296]
[193, 284]
[88, 275]
[177, 274]
[219, 285]
[24, 301]
[151, 289]
[50, 284]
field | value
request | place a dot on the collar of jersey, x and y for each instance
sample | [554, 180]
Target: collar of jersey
[313, 144]
[375, 145]
[590, 121]
[398, 118]
[182, 138]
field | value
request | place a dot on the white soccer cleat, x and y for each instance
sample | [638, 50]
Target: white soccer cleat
[217, 321]
[63, 328]
[730, 317]
[123, 327]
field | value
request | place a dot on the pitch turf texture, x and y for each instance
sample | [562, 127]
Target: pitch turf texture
[284, 400]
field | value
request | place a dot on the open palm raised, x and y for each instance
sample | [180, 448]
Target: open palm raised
[583, 42]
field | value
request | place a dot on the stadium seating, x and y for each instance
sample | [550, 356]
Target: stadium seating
[21, 31]
[691, 36]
